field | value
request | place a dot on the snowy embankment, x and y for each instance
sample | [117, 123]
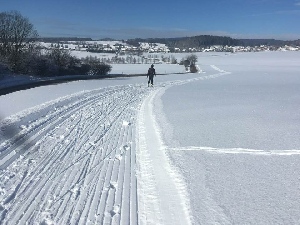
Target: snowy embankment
[13, 80]
[10, 83]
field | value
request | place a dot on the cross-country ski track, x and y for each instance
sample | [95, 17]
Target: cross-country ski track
[94, 157]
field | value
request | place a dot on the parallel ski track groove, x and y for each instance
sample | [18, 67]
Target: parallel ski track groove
[52, 119]
[76, 163]
[54, 178]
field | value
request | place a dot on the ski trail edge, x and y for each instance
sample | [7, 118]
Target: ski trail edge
[161, 193]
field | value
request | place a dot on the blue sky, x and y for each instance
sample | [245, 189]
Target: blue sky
[124, 19]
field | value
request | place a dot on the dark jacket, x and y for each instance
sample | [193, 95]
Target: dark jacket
[151, 72]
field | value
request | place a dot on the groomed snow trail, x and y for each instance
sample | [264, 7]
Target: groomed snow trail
[162, 194]
[160, 198]
[74, 161]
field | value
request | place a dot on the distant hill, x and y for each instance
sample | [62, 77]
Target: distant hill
[209, 40]
[257, 42]
[107, 39]
[189, 42]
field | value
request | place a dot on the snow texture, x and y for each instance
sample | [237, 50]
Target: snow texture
[217, 147]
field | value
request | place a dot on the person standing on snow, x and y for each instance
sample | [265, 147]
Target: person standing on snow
[151, 73]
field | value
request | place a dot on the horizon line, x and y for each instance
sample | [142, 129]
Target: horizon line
[120, 39]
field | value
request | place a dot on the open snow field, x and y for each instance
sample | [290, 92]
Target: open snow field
[218, 147]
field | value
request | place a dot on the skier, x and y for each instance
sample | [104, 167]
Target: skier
[151, 73]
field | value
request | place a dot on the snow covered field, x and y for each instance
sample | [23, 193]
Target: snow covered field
[218, 147]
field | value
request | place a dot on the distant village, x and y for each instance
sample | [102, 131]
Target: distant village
[122, 48]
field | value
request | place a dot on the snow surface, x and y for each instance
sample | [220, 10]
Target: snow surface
[217, 147]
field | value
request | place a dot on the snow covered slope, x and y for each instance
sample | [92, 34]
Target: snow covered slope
[73, 159]
[100, 152]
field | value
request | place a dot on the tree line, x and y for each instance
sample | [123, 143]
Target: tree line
[189, 42]
[21, 54]
[204, 41]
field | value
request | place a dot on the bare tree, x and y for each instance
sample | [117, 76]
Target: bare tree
[192, 58]
[17, 35]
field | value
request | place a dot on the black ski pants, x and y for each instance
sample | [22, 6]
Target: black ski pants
[150, 81]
